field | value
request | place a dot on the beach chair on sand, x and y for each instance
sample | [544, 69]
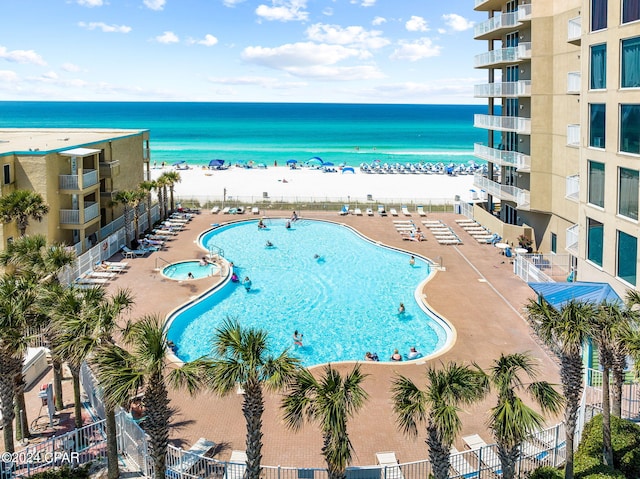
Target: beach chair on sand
[405, 210]
[389, 462]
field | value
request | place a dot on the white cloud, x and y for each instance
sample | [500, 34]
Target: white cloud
[368, 3]
[91, 3]
[414, 51]
[21, 56]
[154, 4]
[70, 67]
[104, 27]
[208, 41]
[50, 75]
[232, 3]
[379, 21]
[352, 35]
[8, 76]
[417, 24]
[457, 23]
[284, 11]
[327, 12]
[167, 38]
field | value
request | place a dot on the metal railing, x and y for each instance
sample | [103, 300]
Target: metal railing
[72, 182]
[73, 217]
[574, 80]
[574, 29]
[511, 89]
[516, 159]
[516, 124]
[573, 135]
[572, 187]
[524, 12]
[505, 192]
[506, 20]
[572, 239]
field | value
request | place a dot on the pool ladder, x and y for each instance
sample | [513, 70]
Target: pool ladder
[158, 268]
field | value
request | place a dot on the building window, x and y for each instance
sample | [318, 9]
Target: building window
[554, 243]
[630, 70]
[630, 128]
[597, 122]
[598, 15]
[596, 183]
[630, 11]
[595, 232]
[627, 257]
[628, 193]
[6, 170]
[598, 80]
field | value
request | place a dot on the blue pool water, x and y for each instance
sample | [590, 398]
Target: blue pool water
[345, 302]
[180, 271]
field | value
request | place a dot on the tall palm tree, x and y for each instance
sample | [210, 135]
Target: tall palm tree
[81, 336]
[565, 331]
[511, 420]
[330, 401]
[148, 187]
[171, 178]
[130, 201]
[439, 404]
[161, 184]
[123, 373]
[22, 205]
[17, 298]
[241, 358]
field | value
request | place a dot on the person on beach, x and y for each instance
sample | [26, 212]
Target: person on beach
[297, 338]
[412, 261]
[247, 283]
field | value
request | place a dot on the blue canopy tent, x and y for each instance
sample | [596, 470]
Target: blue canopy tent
[292, 162]
[178, 163]
[559, 294]
[327, 163]
[348, 169]
[216, 163]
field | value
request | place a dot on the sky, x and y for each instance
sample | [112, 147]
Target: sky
[328, 51]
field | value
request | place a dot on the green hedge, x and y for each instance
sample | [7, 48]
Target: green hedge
[64, 472]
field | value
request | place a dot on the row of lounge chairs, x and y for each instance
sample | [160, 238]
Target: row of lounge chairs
[408, 230]
[382, 211]
[189, 463]
[442, 232]
[102, 273]
[478, 232]
[240, 210]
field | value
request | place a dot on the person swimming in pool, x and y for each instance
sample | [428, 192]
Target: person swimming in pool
[234, 278]
[297, 338]
[412, 261]
[401, 308]
[261, 224]
[396, 356]
[247, 283]
[269, 244]
[288, 224]
[294, 216]
[190, 275]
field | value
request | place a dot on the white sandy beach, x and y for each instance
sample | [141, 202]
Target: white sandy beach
[284, 184]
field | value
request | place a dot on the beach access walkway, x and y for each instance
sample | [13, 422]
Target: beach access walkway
[476, 292]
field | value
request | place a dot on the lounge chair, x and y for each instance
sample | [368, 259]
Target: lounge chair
[405, 210]
[461, 466]
[390, 463]
[381, 210]
[369, 212]
[225, 210]
[240, 210]
[87, 280]
[100, 274]
[255, 210]
[485, 453]
[215, 210]
[344, 211]
[194, 455]
[133, 253]
[237, 465]
[420, 210]
[393, 212]
[357, 212]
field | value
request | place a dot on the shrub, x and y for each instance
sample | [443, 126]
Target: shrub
[546, 472]
[64, 472]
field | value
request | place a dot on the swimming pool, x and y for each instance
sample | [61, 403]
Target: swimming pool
[345, 302]
[180, 271]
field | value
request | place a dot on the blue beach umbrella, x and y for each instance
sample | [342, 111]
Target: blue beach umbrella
[215, 163]
[348, 169]
[328, 163]
[177, 163]
[316, 159]
[291, 162]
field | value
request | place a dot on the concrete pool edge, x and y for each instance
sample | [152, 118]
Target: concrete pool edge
[419, 295]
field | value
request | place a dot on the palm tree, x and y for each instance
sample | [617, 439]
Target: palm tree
[439, 404]
[565, 331]
[161, 184]
[171, 178]
[130, 201]
[124, 373]
[80, 336]
[330, 401]
[147, 187]
[511, 420]
[22, 205]
[241, 358]
[17, 297]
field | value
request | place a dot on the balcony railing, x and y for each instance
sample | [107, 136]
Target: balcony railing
[504, 192]
[493, 57]
[573, 82]
[524, 13]
[503, 123]
[496, 24]
[512, 89]
[524, 50]
[146, 154]
[573, 236]
[488, 4]
[80, 217]
[572, 187]
[574, 29]
[110, 169]
[516, 159]
[573, 135]
[76, 182]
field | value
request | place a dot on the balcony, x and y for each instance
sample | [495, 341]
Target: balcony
[80, 217]
[512, 89]
[495, 27]
[503, 192]
[515, 159]
[488, 5]
[516, 124]
[503, 56]
[109, 169]
[573, 83]
[573, 237]
[108, 195]
[573, 135]
[572, 187]
[524, 13]
[78, 182]
[574, 30]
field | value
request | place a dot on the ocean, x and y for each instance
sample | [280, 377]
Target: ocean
[271, 133]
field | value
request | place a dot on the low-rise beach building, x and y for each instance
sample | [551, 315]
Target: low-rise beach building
[78, 172]
[563, 129]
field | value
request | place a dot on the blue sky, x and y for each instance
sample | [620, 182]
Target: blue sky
[353, 51]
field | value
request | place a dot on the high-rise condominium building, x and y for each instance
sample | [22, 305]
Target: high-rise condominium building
[563, 130]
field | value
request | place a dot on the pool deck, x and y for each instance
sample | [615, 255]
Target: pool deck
[477, 292]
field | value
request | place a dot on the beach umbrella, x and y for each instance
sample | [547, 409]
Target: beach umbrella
[291, 162]
[177, 163]
[215, 163]
[316, 159]
[349, 169]
[328, 163]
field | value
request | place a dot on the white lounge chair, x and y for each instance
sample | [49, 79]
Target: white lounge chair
[133, 253]
[240, 210]
[390, 463]
[485, 453]
[382, 211]
[237, 465]
[369, 212]
[393, 212]
[255, 210]
[225, 210]
[344, 211]
[461, 466]
[194, 455]
[87, 280]
[420, 210]
[405, 210]
[100, 274]
[357, 212]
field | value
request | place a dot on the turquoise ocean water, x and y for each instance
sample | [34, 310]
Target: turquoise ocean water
[272, 132]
